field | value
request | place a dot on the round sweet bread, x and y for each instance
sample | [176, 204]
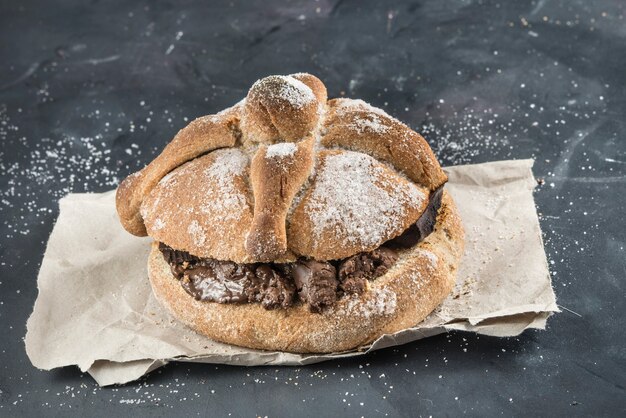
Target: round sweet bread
[296, 223]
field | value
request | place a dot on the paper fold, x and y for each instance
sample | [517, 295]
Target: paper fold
[95, 308]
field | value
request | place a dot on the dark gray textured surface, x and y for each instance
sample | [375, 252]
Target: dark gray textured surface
[90, 91]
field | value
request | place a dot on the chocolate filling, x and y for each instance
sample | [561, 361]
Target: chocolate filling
[355, 271]
[317, 283]
[424, 225]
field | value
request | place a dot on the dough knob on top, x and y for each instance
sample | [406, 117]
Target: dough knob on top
[282, 108]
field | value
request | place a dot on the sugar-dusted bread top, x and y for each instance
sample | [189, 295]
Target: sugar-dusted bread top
[282, 174]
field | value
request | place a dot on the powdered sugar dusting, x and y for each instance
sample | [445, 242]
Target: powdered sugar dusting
[219, 194]
[431, 257]
[228, 163]
[344, 106]
[292, 90]
[281, 150]
[228, 203]
[383, 303]
[197, 233]
[416, 277]
[353, 199]
[159, 224]
[380, 302]
[370, 123]
[373, 121]
[296, 92]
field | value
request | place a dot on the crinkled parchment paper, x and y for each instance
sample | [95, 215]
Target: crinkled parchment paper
[95, 308]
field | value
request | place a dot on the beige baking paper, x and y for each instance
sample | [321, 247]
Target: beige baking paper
[95, 308]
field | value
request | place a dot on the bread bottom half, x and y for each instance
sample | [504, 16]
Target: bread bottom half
[417, 283]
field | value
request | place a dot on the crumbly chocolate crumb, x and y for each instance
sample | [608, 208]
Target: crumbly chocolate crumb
[356, 270]
[316, 282]
[274, 289]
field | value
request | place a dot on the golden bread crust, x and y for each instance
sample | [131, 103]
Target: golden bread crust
[202, 135]
[419, 281]
[357, 126]
[203, 223]
[354, 204]
[287, 128]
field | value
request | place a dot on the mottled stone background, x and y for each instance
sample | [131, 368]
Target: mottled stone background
[90, 91]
